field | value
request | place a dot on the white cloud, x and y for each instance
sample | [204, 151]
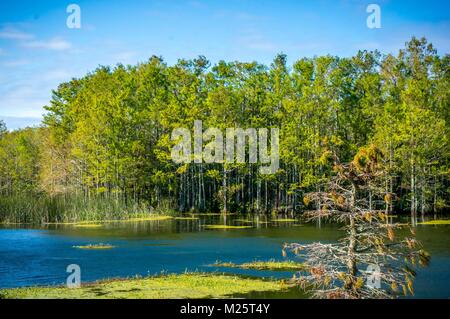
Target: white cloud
[26, 94]
[28, 40]
[57, 44]
[14, 63]
[24, 100]
[13, 34]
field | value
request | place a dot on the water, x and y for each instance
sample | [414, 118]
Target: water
[30, 256]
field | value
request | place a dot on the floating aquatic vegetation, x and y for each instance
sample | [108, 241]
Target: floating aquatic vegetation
[140, 219]
[88, 225]
[264, 265]
[436, 222]
[98, 223]
[226, 227]
[95, 246]
[284, 220]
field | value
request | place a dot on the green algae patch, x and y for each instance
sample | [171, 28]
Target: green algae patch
[139, 219]
[187, 218]
[214, 214]
[88, 225]
[95, 246]
[98, 223]
[265, 265]
[284, 220]
[226, 227]
[436, 222]
[178, 286]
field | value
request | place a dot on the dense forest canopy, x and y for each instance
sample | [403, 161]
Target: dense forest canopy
[106, 137]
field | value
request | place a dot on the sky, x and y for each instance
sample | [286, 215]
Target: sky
[38, 50]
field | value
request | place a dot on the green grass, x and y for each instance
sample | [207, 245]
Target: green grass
[436, 222]
[187, 218]
[265, 265]
[226, 227]
[95, 246]
[179, 286]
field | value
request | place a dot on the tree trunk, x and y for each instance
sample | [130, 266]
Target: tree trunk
[224, 189]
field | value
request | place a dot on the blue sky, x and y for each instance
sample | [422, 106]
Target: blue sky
[38, 51]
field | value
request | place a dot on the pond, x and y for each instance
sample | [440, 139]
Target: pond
[39, 256]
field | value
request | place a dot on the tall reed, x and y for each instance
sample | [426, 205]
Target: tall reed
[40, 208]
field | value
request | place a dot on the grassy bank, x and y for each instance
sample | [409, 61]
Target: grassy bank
[189, 285]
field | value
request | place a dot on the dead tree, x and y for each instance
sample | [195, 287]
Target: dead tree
[370, 261]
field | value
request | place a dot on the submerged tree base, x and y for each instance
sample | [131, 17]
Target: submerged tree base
[180, 286]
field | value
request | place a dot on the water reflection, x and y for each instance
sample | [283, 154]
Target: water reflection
[39, 256]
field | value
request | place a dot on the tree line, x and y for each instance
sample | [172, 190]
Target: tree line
[106, 136]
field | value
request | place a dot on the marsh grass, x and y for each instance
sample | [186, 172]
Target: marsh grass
[65, 210]
[264, 265]
[179, 286]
